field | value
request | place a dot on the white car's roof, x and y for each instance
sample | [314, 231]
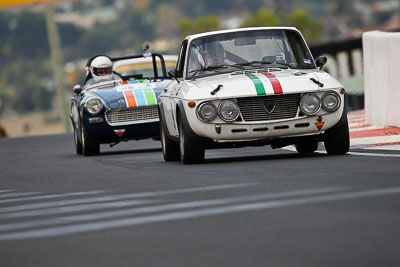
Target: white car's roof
[194, 36]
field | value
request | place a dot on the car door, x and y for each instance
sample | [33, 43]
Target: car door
[171, 95]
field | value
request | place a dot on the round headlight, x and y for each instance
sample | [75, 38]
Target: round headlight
[206, 111]
[94, 106]
[310, 104]
[228, 110]
[330, 101]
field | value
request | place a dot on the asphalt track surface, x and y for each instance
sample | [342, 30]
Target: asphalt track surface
[242, 207]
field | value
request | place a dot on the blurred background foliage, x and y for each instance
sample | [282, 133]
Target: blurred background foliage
[26, 82]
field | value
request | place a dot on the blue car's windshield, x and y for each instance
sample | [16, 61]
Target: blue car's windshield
[247, 49]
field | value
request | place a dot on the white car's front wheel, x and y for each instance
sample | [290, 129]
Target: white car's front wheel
[170, 149]
[307, 148]
[337, 141]
[190, 150]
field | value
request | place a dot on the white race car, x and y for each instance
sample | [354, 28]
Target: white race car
[250, 87]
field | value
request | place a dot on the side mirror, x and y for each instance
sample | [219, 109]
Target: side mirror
[321, 61]
[172, 73]
[77, 89]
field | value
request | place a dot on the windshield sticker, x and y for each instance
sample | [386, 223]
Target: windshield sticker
[306, 61]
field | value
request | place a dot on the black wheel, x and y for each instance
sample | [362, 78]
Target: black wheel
[307, 148]
[89, 147]
[170, 149]
[78, 144]
[336, 139]
[190, 150]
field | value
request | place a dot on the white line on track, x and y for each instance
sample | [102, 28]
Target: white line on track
[292, 148]
[164, 207]
[120, 197]
[374, 154]
[18, 194]
[179, 215]
[6, 191]
[96, 206]
[50, 196]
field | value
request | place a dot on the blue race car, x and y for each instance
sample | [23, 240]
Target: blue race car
[121, 109]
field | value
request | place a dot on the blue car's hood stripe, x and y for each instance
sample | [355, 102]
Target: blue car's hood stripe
[130, 94]
[138, 93]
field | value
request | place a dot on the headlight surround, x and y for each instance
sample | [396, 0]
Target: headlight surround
[228, 110]
[206, 111]
[330, 101]
[94, 105]
[310, 104]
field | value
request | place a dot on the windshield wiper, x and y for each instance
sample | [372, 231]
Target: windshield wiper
[214, 67]
[257, 62]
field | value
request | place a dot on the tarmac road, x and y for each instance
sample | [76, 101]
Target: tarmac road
[242, 207]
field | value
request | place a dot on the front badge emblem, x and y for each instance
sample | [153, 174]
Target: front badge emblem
[269, 106]
[119, 132]
[319, 124]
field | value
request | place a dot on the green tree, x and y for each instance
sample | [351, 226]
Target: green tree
[262, 17]
[309, 27]
[201, 24]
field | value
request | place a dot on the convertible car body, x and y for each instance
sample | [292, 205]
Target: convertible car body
[250, 87]
[119, 110]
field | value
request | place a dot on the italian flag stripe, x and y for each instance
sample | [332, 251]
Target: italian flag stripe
[276, 85]
[257, 83]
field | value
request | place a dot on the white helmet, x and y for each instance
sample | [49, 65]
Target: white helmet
[101, 68]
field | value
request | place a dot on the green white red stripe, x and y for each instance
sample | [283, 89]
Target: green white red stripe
[276, 85]
[257, 83]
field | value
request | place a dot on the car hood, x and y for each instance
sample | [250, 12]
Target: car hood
[239, 84]
[130, 94]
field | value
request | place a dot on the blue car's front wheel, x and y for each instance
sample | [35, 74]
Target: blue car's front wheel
[89, 147]
[77, 142]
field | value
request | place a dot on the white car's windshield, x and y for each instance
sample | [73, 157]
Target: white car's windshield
[226, 52]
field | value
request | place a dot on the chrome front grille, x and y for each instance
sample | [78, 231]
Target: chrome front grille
[116, 117]
[266, 108]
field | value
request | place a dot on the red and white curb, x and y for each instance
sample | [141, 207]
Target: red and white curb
[367, 136]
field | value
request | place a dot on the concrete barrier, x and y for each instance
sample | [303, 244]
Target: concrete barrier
[381, 53]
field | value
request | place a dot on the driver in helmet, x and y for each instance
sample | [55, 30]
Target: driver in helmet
[101, 70]
[214, 54]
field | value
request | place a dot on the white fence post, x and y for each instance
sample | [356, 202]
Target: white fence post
[381, 53]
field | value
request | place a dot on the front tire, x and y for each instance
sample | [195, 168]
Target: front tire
[89, 147]
[78, 144]
[307, 148]
[190, 150]
[337, 140]
[170, 149]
